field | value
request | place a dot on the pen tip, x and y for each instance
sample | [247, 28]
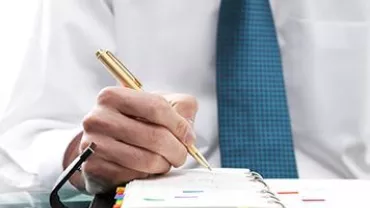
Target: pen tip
[209, 168]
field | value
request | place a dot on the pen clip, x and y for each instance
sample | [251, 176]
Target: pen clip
[125, 69]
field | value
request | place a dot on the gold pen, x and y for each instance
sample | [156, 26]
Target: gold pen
[124, 76]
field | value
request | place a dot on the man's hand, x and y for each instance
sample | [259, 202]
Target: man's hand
[137, 134]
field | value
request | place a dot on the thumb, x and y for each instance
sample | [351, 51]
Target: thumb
[185, 105]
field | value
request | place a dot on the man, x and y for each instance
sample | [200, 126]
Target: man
[64, 98]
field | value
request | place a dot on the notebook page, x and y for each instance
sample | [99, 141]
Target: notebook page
[198, 188]
[322, 193]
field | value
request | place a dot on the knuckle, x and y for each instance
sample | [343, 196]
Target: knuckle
[93, 121]
[157, 106]
[88, 122]
[107, 95]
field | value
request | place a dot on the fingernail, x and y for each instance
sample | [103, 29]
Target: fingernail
[190, 135]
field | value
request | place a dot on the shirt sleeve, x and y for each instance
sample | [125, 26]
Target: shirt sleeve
[57, 85]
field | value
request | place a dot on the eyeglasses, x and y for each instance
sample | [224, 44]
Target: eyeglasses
[54, 199]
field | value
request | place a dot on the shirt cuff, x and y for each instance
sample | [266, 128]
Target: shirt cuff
[47, 152]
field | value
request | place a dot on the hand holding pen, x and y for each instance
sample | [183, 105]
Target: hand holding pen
[137, 134]
[125, 77]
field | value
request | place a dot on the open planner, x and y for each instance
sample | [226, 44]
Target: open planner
[240, 188]
[219, 188]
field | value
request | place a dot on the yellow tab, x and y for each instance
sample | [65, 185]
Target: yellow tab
[120, 189]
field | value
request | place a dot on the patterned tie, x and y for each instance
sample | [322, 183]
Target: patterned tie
[254, 124]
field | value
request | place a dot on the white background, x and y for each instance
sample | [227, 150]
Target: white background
[16, 24]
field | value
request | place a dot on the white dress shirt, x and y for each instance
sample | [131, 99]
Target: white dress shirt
[170, 45]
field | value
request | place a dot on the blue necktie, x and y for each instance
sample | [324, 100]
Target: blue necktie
[254, 124]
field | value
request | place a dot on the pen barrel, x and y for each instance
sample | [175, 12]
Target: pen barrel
[118, 70]
[193, 151]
